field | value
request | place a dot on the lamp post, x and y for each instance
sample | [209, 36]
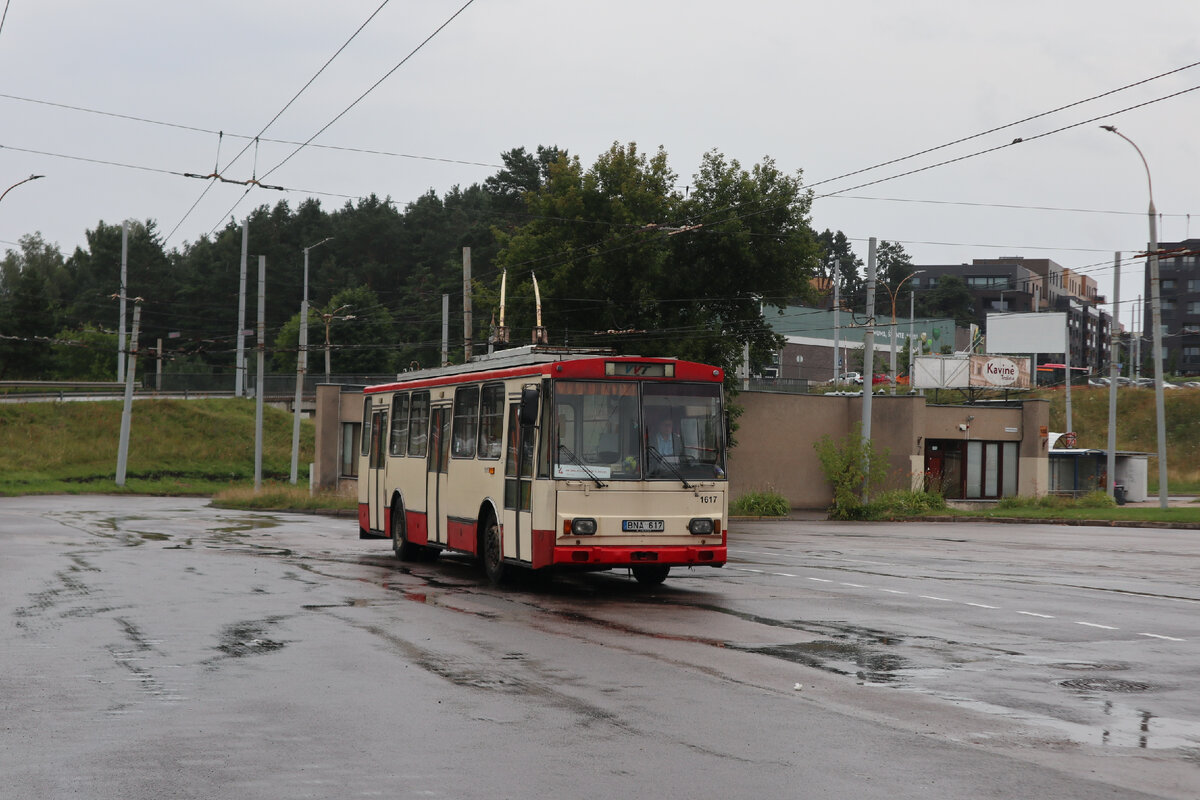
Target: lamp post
[18, 183]
[894, 293]
[1155, 326]
[301, 365]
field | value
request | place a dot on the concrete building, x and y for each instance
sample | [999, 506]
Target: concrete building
[1018, 284]
[1179, 273]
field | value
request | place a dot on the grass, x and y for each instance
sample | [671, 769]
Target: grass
[196, 447]
[1136, 427]
[282, 496]
[760, 504]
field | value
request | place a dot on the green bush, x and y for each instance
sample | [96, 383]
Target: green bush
[760, 504]
[852, 468]
[901, 503]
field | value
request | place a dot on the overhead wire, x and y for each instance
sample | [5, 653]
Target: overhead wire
[356, 101]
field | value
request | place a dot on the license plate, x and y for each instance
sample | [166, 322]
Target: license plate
[643, 525]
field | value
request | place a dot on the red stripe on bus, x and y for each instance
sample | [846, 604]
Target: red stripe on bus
[592, 368]
[460, 535]
[364, 516]
[417, 531]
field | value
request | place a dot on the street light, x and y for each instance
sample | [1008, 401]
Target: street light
[893, 293]
[301, 365]
[18, 183]
[1156, 327]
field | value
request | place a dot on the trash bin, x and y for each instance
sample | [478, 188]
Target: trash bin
[1119, 493]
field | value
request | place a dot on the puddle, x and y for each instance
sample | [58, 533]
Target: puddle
[1117, 725]
[248, 639]
[868, 664]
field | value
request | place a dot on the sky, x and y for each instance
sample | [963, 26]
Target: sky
[114, 102]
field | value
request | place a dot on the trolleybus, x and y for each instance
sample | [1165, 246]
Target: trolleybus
[547, 458]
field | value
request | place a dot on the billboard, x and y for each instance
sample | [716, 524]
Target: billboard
[1044, 332]
[962, 371]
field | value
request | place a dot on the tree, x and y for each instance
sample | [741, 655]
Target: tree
[624, 260]
[838, 258]
[31, 283]
[949, 298]
[361, 336]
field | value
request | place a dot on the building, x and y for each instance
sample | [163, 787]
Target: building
[1179, 275]
[810, 333]
[1018, 284]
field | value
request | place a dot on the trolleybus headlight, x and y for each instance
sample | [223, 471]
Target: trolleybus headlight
[583, 526]
[701, 526]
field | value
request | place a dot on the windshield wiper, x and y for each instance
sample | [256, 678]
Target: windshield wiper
[662, 460]
[581, 465]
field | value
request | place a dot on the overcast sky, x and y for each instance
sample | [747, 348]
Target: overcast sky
[822, 88]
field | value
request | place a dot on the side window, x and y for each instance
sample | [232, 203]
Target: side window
[366, 426]
[466, 421]
[491, 421]
[418, 423]
[351, 435]
[398, 444]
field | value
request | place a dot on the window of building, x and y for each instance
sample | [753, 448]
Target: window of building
[1193, 307]
[1167, 285]
[1193, 285]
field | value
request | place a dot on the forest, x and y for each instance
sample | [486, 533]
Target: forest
[624, 255]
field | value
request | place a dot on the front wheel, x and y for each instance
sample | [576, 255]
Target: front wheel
[401, 546]
[650, 574]
[493, 552]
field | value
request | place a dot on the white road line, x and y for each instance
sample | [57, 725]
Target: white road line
[747, 569]
[783, 575]
[1097, 625]
[893, 591]
[931, 597]
[820, 580]
[982, 605]
[1159, 636]
[1031, 614]
[855, 585]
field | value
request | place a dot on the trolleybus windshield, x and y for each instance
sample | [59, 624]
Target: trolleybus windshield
[631, 431]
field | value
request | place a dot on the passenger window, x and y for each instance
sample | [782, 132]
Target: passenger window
[466, 421]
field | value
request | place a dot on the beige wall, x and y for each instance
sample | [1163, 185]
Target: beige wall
[334, 406]
[776, 434]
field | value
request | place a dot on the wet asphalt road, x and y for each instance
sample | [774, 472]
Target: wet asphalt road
[157, 648]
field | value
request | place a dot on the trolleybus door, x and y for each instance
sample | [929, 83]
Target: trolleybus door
[436, 462]
[518, 519]
[376, 486]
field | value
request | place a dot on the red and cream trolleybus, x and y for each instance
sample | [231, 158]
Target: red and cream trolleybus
[548, 458]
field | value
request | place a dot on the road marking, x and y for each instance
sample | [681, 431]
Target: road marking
[820, 580]
[855, 585]
[1159, 636]
[931, 597]
[982, 605]
[1031, 614]
[783, 575]
[1097, 625]
[893, 591]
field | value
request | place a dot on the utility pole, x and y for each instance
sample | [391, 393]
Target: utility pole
[258, 382]
[838, 368]
[127, 409]
[1067, 355]
[121, 298]
[1113, 373]
[301, 367]
[158, 371]
[445, 329]
[868, 359]
[467, 343]
[239, 370]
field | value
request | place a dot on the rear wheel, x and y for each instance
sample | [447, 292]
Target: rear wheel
[492, 552]
[404, 549]
[650, 574]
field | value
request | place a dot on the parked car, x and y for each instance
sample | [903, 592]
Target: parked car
[849, 377]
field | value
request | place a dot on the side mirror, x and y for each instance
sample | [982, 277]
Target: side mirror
[528, 414]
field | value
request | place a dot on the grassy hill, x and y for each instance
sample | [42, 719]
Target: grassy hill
[175, 446]
[1136, 428]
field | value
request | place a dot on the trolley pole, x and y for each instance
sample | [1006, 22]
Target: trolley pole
[239, 369]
